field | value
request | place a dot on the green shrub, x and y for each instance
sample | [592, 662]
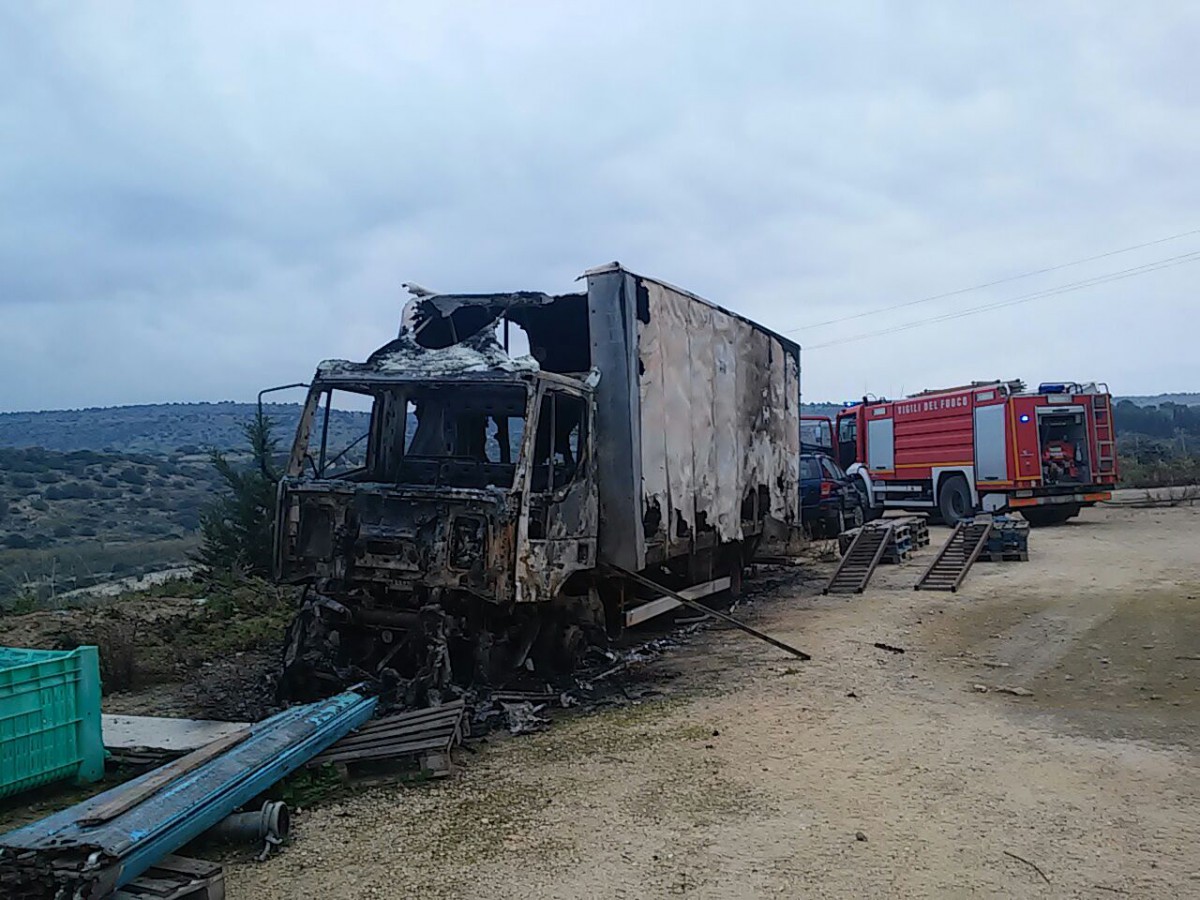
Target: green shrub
[235, 529]
[76, 490]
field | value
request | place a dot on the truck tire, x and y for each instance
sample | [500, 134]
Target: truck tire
[857, 516]
[954, 500]
[1042, 516]
[869, 513]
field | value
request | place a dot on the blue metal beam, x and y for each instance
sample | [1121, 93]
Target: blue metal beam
[92, 861]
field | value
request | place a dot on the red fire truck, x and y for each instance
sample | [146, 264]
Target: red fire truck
[989, 445]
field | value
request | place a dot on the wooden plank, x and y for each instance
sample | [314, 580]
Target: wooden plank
[445, 729]
[716, 614]
[403, 728]
[393, 751]
[448, 711]
[446, 733]
[164, 882]
[406, 721]
[160, 778]
[184, 865]
[149, 886]
[653, 608]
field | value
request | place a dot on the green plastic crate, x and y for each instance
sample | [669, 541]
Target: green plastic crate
[49, 718]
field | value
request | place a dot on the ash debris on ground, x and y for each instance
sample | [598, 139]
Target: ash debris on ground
[527, 701]
[238, 688]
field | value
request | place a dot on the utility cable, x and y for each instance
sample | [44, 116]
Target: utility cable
[1119, 275]
[979, 287]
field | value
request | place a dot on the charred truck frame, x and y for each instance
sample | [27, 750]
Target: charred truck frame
[476, 527]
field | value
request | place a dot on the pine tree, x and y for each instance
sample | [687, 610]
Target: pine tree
[235, 529]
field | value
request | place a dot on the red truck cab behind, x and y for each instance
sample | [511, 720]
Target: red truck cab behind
[988, 445]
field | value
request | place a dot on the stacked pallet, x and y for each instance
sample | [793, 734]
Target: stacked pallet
[909, 533]
[918, 528]
[900, 547]
[1008, 541]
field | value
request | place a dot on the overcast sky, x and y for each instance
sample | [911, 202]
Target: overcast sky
[200, 200]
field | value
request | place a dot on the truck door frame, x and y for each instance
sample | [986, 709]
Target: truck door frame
[569, 541]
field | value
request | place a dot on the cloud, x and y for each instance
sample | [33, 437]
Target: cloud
[204, 199]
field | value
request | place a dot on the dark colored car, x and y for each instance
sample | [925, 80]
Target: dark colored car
[830, 501]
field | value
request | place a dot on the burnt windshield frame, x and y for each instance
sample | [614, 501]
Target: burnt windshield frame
[321, 466]
[458, 434]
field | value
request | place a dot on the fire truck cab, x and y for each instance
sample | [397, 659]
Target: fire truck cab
[985, 446]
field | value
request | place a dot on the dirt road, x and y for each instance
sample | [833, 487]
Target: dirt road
[862, 773]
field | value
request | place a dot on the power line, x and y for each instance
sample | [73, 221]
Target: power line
[1067, 288]
[979, 287]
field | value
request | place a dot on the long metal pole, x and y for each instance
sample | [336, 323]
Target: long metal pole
[700, 607]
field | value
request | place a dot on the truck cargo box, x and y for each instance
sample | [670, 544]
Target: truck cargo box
[698, 417]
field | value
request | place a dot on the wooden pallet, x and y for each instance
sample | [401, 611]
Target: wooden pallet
[1009, 540]
[909, 533]
[177, 878]
[1005, 556]
[423, 736]
[918, 528]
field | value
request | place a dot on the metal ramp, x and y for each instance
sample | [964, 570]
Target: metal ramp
[956, 557]
[860, 560]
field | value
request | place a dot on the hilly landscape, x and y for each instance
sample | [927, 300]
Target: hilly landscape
[90, 495]
[160, 428]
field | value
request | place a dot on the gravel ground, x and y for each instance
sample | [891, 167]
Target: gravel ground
[862, 773]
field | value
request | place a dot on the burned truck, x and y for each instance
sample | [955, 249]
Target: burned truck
[484, 522]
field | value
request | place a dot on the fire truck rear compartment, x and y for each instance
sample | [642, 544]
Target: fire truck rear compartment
[1063, 441]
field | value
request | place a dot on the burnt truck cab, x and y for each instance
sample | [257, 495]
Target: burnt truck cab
[472, 480]
[461, 480]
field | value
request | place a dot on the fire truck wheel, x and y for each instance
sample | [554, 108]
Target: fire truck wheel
[869, 513]
[954, 499]
[856, 516]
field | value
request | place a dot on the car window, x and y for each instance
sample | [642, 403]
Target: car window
[810, 469]
[833, 470]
